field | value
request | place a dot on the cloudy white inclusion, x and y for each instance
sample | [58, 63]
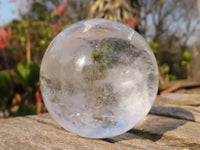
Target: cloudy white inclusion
[80, 63]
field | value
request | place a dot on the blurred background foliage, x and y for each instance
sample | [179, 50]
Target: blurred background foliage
[171, 28]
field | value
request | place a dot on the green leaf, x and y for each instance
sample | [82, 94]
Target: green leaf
[42, 43]
[25, 110]
[171, 77]
[187, 57]
[154, 46]
[33, 77]
[164, 68]
[27, 74]
[5, 89]
[21, 73]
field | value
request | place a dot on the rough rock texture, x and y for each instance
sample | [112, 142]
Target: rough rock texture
[180, 99]
[168, 126]
[182, 132]
[25, 133]
[176, 111]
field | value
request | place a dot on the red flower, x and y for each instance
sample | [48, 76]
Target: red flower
[60, 9]
[3, 35]
[66, 2]
[133, 22]
[38, 99]
[3, 39]
[2, 44]
[15, 1]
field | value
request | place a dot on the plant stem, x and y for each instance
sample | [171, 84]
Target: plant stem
[28, 44]
[188, 71]
[5, 60]
[199, 9]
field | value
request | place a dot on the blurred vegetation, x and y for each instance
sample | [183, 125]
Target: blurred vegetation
[169, 27]
[5, 88]
[25, 110]
[23, 43]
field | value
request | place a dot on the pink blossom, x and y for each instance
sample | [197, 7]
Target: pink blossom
[133, 22]
[3, 35]
[66, 2]
[60, 9]
[2, 44]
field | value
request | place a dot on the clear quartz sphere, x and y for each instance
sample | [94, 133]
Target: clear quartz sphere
[98, 78]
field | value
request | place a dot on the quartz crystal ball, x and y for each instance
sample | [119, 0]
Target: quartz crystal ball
[98, 78]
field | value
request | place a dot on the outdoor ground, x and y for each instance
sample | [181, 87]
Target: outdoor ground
[173, 123]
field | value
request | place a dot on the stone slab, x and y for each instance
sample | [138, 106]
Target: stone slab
[27, 134]
[124, 139]
[154, 132]
[184, 112]
[180, 99]
[174, 123]
[169, 131]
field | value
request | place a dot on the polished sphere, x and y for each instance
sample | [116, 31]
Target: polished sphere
[98, 78]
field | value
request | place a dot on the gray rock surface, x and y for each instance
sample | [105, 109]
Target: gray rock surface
[26, 133]
[169, 126]
[180, 99]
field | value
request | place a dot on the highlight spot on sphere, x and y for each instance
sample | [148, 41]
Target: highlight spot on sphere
[98, 78]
